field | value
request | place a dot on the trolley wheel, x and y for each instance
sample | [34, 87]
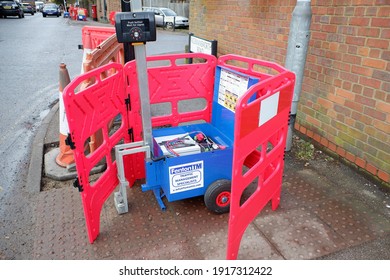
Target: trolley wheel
[218, 195]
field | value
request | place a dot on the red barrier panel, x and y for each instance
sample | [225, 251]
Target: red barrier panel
[175, 83]
[259, 132]
[88, 111]
[93, 36]
[111, 17]
[259, 141]
[170, 86]
[113, 89]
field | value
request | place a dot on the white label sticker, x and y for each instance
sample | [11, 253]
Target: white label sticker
[186, 177]
[231, 87]
[268, 108]
[200, 45]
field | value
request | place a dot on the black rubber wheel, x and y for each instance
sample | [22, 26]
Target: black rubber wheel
[217, 196]
[169, 25]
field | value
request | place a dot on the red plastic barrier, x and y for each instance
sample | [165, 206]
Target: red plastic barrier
[88, 111]
[73, 12]
[259, 138]
[91, 110]
[111, 17]
[175, 83]
[171, 85]
[93, 36]
[259, 141]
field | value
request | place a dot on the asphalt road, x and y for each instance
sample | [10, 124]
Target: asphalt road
[31, 50]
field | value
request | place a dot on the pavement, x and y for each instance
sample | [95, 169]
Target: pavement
[327, 211]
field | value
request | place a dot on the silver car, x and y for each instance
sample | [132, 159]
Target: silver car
[167, 18]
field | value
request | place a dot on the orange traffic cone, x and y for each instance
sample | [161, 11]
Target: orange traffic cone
[65, 156]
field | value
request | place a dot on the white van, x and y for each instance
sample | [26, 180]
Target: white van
[39, 5]
[166, 17]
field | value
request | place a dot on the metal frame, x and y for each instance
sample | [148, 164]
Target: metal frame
[120, 197]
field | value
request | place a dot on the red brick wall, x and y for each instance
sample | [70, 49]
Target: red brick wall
[345, 99]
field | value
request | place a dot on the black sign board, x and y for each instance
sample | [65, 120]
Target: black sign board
[133, 27]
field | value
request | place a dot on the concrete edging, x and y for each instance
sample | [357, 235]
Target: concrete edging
[34, 176]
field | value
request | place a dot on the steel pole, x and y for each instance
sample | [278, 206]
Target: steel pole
[298, 42]
[142, 74]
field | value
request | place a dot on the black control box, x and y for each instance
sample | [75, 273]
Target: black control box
[135, 27]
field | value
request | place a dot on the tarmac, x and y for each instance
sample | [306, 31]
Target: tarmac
[327, 211]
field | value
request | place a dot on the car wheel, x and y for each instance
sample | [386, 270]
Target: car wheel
[218, 195]
[44, 15]
[169, 25]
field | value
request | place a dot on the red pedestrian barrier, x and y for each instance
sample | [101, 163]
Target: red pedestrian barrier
[93, 36]
[90, 110]
[259, 141]
[260, 127]
[111, 17]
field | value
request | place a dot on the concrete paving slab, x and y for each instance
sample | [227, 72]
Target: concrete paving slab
[299, 234]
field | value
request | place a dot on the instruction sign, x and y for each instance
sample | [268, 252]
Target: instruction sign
[185, 177]
[231, 86]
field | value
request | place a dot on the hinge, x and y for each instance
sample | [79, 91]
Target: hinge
[131, 134]
[77, 185]
[81, 47]
[69, 142]
[128, 103]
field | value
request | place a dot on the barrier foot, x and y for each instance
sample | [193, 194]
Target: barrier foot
[120, 199]
[276, 200]
[233, 245]
[159, 196]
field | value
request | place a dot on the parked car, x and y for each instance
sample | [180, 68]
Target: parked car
[10, 8]
[51, 10]
[27, 8]
[167, 18]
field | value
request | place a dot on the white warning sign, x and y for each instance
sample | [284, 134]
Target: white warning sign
[186, 177]
[231, 87]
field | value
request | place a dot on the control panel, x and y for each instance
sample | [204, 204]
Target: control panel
[135, 27]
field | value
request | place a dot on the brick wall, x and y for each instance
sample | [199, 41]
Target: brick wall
[345, 99]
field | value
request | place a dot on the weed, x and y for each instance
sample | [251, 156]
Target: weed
[303, 150]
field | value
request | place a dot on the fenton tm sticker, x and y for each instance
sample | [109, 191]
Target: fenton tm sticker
[186, 177]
